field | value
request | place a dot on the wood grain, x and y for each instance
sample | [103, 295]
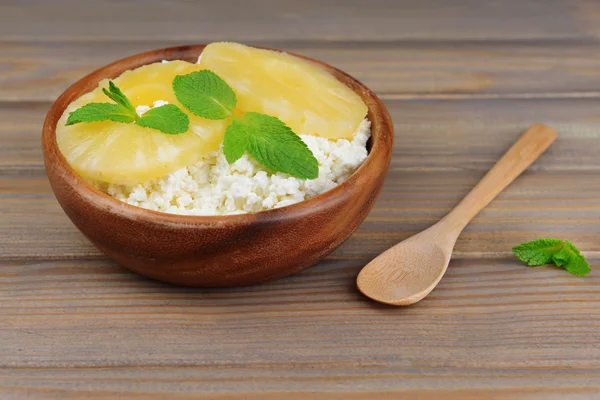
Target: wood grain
[488, 324]
[534, 206]
[564, 393]
[461, 79]
[381, 20]
[38, 71]
[457, 135]
[442, 149]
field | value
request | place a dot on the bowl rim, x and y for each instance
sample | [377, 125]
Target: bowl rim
[377, 114]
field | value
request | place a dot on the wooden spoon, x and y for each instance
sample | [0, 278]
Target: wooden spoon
[410, 270]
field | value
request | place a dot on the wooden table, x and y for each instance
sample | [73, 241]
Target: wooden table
[461, 79]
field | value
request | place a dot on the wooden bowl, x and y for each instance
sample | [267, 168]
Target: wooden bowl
[213, 251]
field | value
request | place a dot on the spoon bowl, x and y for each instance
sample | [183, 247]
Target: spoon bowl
[407, 272]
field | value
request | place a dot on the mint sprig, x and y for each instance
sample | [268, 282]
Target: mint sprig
[272, 143]
[167, 119]
[560, 252]
[95, 112]
[116, 95]
[205, 94]
[269, 140]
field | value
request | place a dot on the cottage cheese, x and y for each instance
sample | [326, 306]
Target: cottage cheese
[214, 187]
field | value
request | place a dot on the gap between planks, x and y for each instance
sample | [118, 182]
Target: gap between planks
[592, 256]
[314, 43]
[398, 97]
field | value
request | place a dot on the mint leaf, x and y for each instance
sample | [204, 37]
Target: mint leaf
[116, 95]
[578, 266]
[94, 112]
[572, 247]
[168, 119]
[560, 252]
[538, 252]
[205, 94]
[571, 259]
[563, 256]
[236, 139]
[273, 144]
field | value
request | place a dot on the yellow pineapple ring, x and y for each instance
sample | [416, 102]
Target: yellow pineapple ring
[306, 97]
[127, 153]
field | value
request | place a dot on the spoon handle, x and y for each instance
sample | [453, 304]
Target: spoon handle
[520, 156]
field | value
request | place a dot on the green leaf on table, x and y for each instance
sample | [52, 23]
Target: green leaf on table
[578, 266]
[571, 259]
[560, 252]
[538, 252]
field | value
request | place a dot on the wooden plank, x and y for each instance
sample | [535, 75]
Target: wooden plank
[78, 326]
[434, 165]
[38, 71]
[458, 135]
[49, 392]
[74, 328]
[288, 19]
[539, 204]
[473, 134]
[21, 137]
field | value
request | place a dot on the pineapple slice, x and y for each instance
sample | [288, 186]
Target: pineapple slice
[304, 96]
[127, 153]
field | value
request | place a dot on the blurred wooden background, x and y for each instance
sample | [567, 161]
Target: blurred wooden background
[461, 79]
